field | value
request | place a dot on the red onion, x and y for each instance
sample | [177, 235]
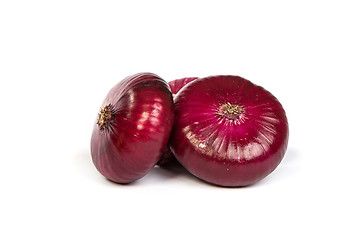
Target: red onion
[178, 84]
[133, 128]
[175, 86]
[228, 131]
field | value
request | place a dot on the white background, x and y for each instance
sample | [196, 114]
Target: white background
[58, 59]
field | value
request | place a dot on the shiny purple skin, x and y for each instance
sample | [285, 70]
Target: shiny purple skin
[144, 114]
[175, 86]
[222, 151]
[178, 84]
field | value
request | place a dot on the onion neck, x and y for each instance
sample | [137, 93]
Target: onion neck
[105, 117]
[230, 111]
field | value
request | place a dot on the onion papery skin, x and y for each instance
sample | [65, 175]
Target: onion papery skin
[138, 133]
[175, 86]
[231, 148]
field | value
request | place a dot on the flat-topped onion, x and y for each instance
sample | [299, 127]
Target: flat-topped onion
[228, 131]
[132, 128]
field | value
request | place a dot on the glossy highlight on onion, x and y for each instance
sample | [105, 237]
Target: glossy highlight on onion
[228, 131]
[132, 128]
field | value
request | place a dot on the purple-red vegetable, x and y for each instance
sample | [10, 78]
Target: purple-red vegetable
[228, 131]
[132, 128]
[175, 86]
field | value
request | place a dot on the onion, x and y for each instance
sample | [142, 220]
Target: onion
[132, 128]
[175, 86]
[178, 84]
[228, 131]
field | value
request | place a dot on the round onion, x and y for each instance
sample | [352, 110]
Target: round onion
[228, 131]
[132, 128]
